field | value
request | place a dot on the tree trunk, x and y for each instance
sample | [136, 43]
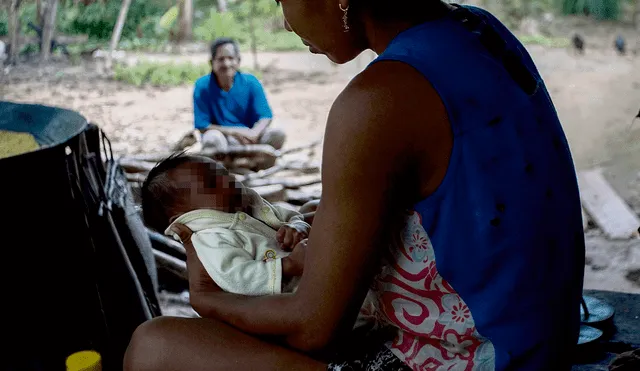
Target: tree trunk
[14, 30]
[186, 21]
[117, 32]
[636, 16]
[252, 32]
[39, 13]
[49, 28]
[222, 6]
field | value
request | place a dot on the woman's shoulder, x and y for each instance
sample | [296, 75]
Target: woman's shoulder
[391, 90]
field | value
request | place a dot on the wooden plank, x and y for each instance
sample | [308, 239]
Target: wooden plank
[585, 220]
[135, 166]
[605, 207]
[300, 197]
[289, 183]
[271, 193]
[171, 264]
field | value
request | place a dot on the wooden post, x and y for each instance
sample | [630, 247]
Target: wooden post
[49, 28]
[14, 31]
[636, 16]
[117, 32]
[39, 14]
[252, 32]
[186, 21]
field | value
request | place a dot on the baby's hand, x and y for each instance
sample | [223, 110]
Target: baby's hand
[289, 235]
[293, 265]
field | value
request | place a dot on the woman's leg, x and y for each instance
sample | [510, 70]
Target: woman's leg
[194, 344]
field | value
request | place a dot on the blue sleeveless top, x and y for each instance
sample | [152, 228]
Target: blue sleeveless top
[506, 222]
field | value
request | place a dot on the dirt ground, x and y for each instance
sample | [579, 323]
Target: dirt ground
[596, 95]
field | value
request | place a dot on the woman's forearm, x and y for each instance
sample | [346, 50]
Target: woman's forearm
[277, 314]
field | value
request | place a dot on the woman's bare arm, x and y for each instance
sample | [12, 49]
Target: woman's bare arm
[377, 129]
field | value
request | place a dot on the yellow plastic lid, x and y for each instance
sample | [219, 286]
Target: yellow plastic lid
[86, 360]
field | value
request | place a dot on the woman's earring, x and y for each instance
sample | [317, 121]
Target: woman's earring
[345, 19]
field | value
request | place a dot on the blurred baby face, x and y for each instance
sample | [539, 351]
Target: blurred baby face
[207, 187]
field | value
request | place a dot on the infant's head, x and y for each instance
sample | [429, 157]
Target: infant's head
[182, 183]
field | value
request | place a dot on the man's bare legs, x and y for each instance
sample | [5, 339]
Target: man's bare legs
[273, 137]
[172, 344]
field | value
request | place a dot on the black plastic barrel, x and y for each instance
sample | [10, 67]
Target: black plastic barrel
[77, 268]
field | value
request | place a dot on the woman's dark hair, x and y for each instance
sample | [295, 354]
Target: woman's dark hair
[409, 10]
[224, 41]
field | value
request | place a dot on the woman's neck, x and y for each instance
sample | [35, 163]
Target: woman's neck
[380, 34]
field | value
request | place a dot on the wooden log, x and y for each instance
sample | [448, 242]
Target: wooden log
[306, 167]
[271, 193]
[149, 157]
[585, 220]
[289, 183]
[135, 177]
[301, 197]
[170, 297]
[605, 207]
[260, 174]
[301, 148]
[170, 264]
[167, 245]
[249, 150]
[135, 166]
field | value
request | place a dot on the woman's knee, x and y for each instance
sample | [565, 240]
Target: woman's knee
[149, 344]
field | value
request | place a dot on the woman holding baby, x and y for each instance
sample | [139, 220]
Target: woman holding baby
[449, 202]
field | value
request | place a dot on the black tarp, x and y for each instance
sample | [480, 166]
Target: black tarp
[77, 267]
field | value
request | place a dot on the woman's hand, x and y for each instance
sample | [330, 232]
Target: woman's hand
[199, 280]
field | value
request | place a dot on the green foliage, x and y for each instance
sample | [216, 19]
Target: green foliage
[162, 74]
[551, 42]
[97, 19]
[601, 9]
[4, 22]
[235, 24]
[220, 25]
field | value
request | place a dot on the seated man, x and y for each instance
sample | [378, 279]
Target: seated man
[230, 106]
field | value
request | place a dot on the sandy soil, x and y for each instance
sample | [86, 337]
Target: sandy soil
[596, 96]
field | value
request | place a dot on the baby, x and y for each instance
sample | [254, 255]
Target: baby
[241, 239]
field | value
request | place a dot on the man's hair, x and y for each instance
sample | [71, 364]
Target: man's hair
[160, 194]
[224, 41]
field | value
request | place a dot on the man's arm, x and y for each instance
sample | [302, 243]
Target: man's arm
[379, 125]
[201, 117]
[259, 128]
[261, 110]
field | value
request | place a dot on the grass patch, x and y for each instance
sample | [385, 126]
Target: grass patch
[551, 42]
[164, 74]
[281, 41]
